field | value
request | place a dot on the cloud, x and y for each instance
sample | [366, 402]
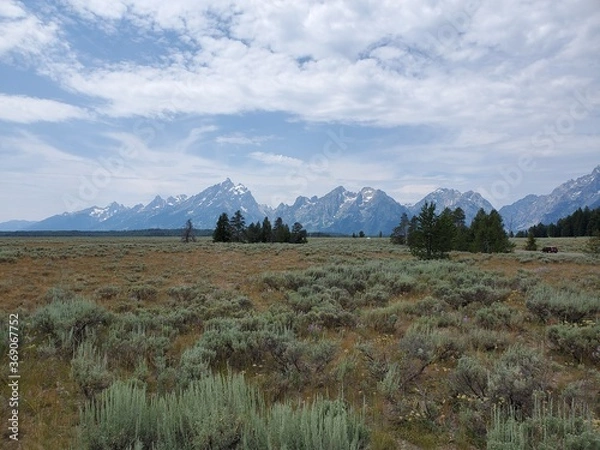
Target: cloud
[22, 109]
[483, 83]
[23, 32]
[276, 159]
[242, 139]
[395, 64]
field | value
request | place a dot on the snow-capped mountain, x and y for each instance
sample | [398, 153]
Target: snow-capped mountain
[470, 202]
[203, 208]
[341, 211]
[88, 219]
[562, 201]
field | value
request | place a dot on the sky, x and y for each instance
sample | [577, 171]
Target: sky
[124, 100]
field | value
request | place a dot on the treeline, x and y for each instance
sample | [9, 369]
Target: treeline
[431, 236]
[234, 229]
[583, 222]
[151, 232]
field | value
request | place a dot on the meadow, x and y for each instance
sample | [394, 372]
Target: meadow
[340, 343]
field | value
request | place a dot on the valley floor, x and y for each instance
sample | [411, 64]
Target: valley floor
[424, 354]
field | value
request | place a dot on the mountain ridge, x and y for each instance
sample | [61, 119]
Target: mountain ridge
[341, 211]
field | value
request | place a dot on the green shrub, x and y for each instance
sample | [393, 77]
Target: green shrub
[497, 315]
[215, 412]
[516, 376]
[56, 294]
[428, 306]
[383, 320]
[183, 293]
[470, 378]
[321, 424]
[581, 342]
[143, 292]
[10, 257]
[127, 343]
[90, 369]
[194, 364]
[483, 340]
[546, 302]
[464, 295]
[421, 347]
[565, 427]
[108, 292]
[66, 322]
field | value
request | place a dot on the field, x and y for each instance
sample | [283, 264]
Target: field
[437, 355]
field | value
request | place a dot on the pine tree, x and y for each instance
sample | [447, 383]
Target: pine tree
[281, 231]
[238, 227]
[531, 244]
[430, 236]
[222, 231]
[298, 234]
[254, 232]
[400, 233]
[487, 233]
[461, 236]
[444, 233]
[267, 231]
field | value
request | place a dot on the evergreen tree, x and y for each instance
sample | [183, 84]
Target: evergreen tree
[531, 244]
[254, 232]
[267, 231]
[479, 240]
[400, 233]
[361, 234]
[281, 231]
[430, 237]
[222, 231]
[487, 233]
[238, 227]
[582, 222]
[298, 234]
[461, 236]
[444, 232]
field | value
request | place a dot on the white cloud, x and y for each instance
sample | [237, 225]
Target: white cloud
[23, 32]
[485, 77]
[242, 139]
[10, 9]
[21, 109]
[383, 65]
[276, 159]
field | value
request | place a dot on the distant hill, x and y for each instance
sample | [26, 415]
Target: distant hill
[339, 211]
[562, 201]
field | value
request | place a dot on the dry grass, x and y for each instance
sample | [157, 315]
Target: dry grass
[87, 266]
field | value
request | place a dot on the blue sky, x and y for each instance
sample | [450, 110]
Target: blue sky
[126, 99]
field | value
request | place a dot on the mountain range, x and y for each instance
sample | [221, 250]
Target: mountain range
[341, 211]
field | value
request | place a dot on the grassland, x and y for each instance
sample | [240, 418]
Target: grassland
[439, 354]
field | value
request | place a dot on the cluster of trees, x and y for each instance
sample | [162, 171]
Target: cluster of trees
[234, 229]
[583, 222]
[431, 236]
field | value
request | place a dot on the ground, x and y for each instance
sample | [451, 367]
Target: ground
[130, 275]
